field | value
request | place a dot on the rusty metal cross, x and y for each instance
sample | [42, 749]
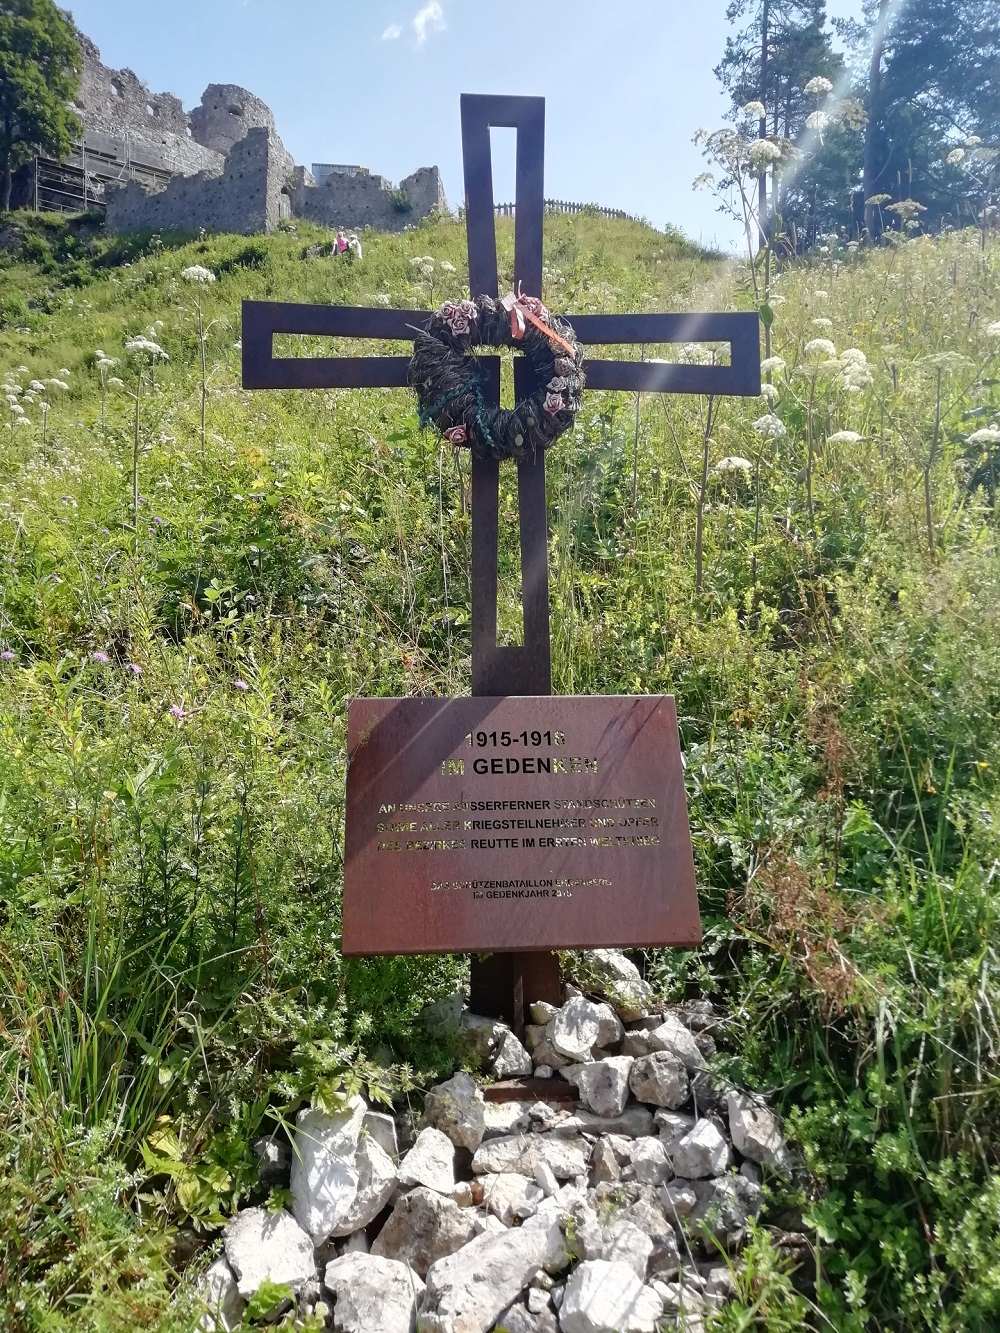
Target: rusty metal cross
[503, 669]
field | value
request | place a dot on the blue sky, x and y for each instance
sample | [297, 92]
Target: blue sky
[626, 84]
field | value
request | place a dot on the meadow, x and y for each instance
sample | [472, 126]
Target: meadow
[195, 578]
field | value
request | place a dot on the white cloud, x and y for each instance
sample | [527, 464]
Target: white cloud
[429, 18]
[392, 32]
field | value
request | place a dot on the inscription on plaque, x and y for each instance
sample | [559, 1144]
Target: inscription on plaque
[522, 822]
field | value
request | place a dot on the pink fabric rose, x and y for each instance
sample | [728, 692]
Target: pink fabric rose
[557, 384]
[553, 403]
[456, 435]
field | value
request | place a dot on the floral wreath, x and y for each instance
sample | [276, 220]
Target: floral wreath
[445, 375]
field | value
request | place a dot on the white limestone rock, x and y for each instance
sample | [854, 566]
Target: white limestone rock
[325, 1167]
[603, 1084]
[511, 1197]
[373, 1293]
[702, 1152]
[650, 1162]
[541, 1012]
[604, 1164]
[376, 1182]
[756, 1133]
[671, 1127]
[580, 1025]
[519, 1319]
[511, 1059]
[659, 1079]
[263, 1246]
[634, 1122]
[725, 1206]
[382, 1128]
[457, 1108]
[430, 1162]
[617, 978]
[468, 1291]
[673, 1036]
[625, 1243]
[506, 1118]
[218, 1288]
[422, 1228]
[607, 1297]
[680, 1197]
[521, 1153]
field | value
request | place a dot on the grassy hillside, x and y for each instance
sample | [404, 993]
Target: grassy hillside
[185, 607]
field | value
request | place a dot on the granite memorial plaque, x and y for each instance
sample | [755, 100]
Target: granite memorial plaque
[516, 823]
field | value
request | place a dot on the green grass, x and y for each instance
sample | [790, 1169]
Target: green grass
[171, 810]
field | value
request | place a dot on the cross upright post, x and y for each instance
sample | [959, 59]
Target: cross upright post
[504, 982]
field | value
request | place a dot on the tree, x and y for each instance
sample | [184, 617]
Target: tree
[782, 45]
[39, 75]
[930, 75]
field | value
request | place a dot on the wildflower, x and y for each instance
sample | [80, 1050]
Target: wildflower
[114, 379]
[843, 437]
[7, 655]
[197, 273]
[818, 86]
[762, 153]
[907, 209]
[770, 427]
[820, 347]
[734, 464]
[985, 435]
[22, 421]
[769, 392]
[17, 409]
[817, 120]
[240, 684]
[43, 405]
[771, 364]
[755, 110]
[63, 371]
[176, 711]
[102, 658]
[58, 384]
[146, 346]
[446, 267]
[955, 156]
[37, 386]
[854, 355]
[135, 668]
[876, 200]
[820, 295]
[821, 322]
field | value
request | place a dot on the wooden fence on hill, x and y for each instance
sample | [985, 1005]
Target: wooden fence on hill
[565, 206]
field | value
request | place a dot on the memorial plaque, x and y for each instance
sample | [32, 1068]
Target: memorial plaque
[516, 823]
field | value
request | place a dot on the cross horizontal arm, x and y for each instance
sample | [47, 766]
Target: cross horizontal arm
[263, 370]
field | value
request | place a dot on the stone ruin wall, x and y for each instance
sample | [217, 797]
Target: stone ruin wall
[246, 196]
[232, 171]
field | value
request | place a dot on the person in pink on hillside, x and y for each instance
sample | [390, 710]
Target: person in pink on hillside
[341, 243]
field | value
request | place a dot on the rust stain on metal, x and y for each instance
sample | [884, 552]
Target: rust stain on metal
[516, 823]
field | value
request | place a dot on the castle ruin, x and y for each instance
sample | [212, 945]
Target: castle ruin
[151, 166]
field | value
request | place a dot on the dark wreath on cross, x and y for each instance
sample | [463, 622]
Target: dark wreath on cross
[475, 409]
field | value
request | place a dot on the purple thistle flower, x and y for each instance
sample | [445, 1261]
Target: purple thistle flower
[177, 711]
[135, 668]
[103, 658]
[7, 655]
[240, 685]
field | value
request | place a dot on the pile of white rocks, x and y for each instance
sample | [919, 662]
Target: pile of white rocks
[608, 1215]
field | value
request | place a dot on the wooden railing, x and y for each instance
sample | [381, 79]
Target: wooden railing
[565, 206]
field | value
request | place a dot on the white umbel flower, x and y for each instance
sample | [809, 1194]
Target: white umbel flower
[197, 273]
[770, 364]
[735, 465]
[985, 435]
[770, 427]
[820, 347]
[146, 347]
[844, 437]
[955, 156]
[763, 153]
[755, 110]
[817, 120]
[818, 86]
[993, 329]
[770, 394]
